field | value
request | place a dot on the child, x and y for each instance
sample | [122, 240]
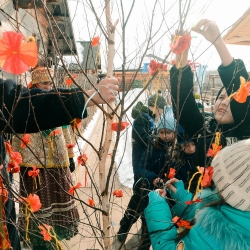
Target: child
[154, 165]
[183, 161]
[222, 214]
[231, 118]
[143, 127]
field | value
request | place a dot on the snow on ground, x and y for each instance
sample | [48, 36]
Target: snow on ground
[123, 156]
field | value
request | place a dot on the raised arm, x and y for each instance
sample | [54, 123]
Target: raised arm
[183, 101]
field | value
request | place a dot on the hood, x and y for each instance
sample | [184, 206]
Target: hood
[224, 226]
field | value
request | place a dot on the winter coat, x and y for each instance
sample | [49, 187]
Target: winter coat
[184, 165]
[192, 120]
[142, 129]
[37, 111]
[153, 164]
[217, 227]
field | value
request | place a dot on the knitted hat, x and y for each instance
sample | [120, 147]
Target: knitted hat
[166, 120]
[182, 136]
[159, 99]
[42, 74]
[232, 174]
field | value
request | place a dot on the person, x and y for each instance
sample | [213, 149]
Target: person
[183, 159]
[50, 108]
[48, 153]
[142, 130]
[222, 213]
[154, 166]
[231, 118]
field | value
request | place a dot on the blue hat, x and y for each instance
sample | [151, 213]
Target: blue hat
[167, 120]
[182, 136]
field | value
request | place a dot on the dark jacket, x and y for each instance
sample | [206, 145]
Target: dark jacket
[192, 120]
[184, 166]
[142, 130]
[37, 109]
[154, 163]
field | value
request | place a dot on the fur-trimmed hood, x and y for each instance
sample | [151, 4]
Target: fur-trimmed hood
[229, 227]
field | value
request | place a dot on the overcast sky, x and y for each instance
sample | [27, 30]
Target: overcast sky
[165, 21]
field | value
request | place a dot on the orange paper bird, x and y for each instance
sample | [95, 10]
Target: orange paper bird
[18, 56]
[8, 147]
[55, 132]
[115, 125]
[76, 123]
[243, 92]
[34, 173]
[16, 157]
[212, 152]
[155, 66]
[207, 176]
[194, 201]
[71, 145]
[171, 174]
[118, 193]
[45, 232]
[95, 41]
[181, 223]
[72, 189]
[82, 159]
[68, 81]
[25, 140]
[91, 202]
[33, 201]
[180, 44]
[13, 167]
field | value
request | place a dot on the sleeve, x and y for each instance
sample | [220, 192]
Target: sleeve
[161, 229]
[36, 110]
[230, 76]
[141, 171]
[180, 209]
[190, 117]
[141, 127]
[68, 139]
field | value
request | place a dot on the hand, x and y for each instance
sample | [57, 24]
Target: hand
[108, 88]
[156, 181]
[161, 192]
[209, 30]
[169, 184]
[72, 166]
[212, 33]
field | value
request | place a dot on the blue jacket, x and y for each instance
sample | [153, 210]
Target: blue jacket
[218, 227]
[153, 164]
[142, 129]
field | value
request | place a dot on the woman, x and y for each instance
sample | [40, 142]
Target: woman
[231, 119]
[49, 109]
[221, 213]
[46, 151]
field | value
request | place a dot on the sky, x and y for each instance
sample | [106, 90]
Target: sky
[160, 18]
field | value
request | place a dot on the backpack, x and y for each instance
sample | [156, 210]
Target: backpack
[138, 109]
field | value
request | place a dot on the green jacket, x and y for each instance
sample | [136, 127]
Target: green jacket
[217, 227]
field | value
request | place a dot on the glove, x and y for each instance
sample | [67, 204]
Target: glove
[72, 166]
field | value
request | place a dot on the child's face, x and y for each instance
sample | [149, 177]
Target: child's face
[188, 148]
[166, 134]
[222, 110]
